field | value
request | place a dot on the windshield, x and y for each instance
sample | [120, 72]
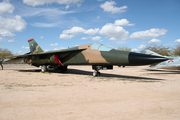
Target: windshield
[100, 47]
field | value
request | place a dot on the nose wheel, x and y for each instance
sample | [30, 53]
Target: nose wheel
[96, 69]
[43, 68]
[96, 73]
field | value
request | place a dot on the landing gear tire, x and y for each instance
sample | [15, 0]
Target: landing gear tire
[96, 73]
[43, 68]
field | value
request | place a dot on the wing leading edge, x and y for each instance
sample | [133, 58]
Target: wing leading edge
[36, 51]
[65, 55]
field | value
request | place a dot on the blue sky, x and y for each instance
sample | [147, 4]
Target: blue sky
[58, 24]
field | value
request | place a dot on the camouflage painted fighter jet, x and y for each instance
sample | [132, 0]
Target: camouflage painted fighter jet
[99, 56]
[172, 62]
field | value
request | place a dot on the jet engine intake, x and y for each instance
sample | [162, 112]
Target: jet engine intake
[55, 58]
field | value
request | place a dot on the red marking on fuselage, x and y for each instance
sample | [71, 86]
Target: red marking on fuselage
[170, 61]
[57, 60]
[151, 54]
[30, 40]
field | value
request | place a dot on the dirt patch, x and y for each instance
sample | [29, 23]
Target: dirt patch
[122, 93]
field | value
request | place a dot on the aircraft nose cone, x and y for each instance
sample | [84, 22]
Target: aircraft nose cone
[144, 59]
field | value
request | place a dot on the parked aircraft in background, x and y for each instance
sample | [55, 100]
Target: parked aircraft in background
[171, 63]
[99, 56]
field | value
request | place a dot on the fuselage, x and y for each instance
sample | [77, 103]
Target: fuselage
[96, 54]
[169, 64]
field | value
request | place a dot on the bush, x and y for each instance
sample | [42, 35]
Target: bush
[176, 50]
[5, 53]
[124, 48]
[160, 49]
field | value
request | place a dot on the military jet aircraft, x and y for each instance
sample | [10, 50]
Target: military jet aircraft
[172, 62]
[99, 56]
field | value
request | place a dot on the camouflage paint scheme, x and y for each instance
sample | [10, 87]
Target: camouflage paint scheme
[89, 54]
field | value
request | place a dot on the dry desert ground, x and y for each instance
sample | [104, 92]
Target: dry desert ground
[130, 93]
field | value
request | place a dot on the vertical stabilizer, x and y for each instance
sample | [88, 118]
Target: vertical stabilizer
[149, 52]
[34, 47]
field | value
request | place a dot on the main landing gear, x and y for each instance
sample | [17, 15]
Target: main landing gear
[100, 67]
[45, 68]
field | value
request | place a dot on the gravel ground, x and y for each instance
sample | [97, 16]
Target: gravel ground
[130, 93]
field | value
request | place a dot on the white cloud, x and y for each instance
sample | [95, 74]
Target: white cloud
[6, 7]
[177, 41]
[19, 52]
[46, 50]
[165, 45]
[48, 13]
[54, 44]
[96, 38]
[8, 25]
[4, 32]
[43, 2]
[113, 39]
[25, 47]
[67, 7]
[91, 31]
[152, 33]
[108, 6]
[84, 38]
[60, 48]
[100, 40]
[41, 37]
[79, 30]
[123, 22]
[1, 39]
[109, 30]
[134, 50]
[74, 30]
[154, 41]
[142, 46]
[44, 24]
[112, 30]
[66, 36]
[98, 17]
[11, 40]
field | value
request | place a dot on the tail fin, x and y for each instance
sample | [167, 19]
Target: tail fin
[34, 47]
[146, 51]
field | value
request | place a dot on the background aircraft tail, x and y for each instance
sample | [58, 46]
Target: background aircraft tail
[146, 51]
[149, 52]
[34, 47]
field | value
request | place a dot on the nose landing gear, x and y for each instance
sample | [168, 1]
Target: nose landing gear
[96, 73]
[43, 68]
[100, 67]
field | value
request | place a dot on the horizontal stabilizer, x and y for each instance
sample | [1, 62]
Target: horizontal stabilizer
[14, 60]
[17, 58]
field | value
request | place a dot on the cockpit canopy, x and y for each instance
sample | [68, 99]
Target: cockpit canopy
[100, 47]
